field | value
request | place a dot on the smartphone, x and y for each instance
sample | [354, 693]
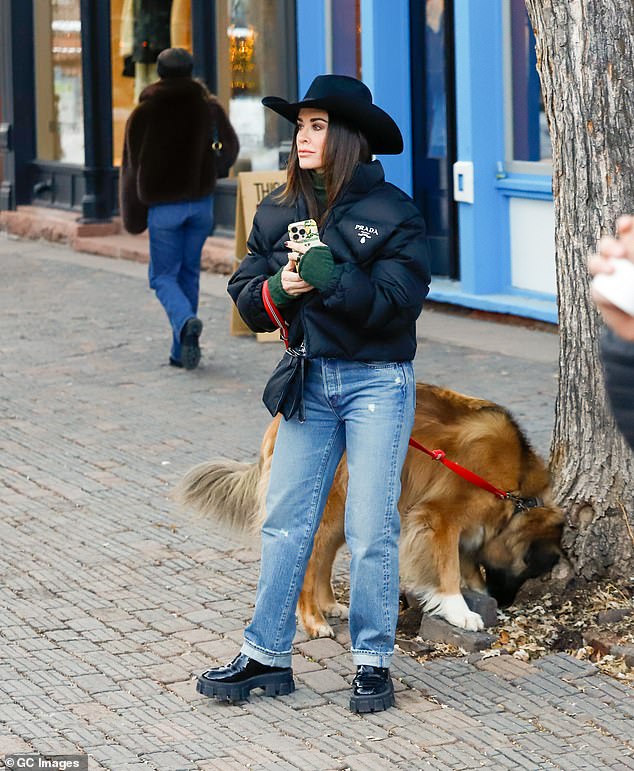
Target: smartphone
[304, 232]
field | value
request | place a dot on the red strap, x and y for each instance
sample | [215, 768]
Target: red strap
[277, 318]
[470, 476]
[274, 314]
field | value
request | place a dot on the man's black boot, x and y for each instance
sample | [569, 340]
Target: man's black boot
[235, 681]
[190, 350]
[372, 689]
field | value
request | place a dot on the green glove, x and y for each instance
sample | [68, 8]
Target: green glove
[278, 294]
[317, 267]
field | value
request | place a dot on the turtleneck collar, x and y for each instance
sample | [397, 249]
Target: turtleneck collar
[319, 187]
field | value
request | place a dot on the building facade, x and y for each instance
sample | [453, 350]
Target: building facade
[458, 76]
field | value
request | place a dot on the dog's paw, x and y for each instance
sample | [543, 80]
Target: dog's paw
[470, 621]
[453, 609]
[316, 626]
[322, 630]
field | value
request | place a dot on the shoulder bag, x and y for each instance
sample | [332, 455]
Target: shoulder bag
[284, 391]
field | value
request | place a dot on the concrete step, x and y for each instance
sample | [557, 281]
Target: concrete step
[104, 238]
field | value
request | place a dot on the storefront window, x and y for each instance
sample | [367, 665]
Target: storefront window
[432, 153]
[58, 81]
[531, 140]
[346, 37]
[256, 53]
[140, 30]
[435, 88]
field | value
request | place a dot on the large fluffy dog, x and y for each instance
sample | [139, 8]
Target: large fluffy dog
[453, 533]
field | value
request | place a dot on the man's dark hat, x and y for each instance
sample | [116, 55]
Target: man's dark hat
[351, 101]
[174, 63]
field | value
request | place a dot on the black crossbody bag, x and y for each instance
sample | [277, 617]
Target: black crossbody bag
[284, 391]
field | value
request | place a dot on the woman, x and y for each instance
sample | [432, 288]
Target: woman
[353, 303]
[168, 175]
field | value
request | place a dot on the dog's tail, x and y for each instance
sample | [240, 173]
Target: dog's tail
[226, 490]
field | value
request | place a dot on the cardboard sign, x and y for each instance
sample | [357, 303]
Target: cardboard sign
[253, 186]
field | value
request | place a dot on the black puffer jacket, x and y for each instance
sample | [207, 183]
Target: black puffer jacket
[618, 363]
[369, 310]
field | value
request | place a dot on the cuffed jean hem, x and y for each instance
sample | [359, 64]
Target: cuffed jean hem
[268, 658]
[371, 659]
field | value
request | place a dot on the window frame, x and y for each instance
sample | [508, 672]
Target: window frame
[512, 166]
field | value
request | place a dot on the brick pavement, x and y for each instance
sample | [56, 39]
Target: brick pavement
[113, 599]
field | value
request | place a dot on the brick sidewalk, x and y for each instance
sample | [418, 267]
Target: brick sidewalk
[113, 599]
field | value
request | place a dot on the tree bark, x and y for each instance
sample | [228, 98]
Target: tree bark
[585, 59]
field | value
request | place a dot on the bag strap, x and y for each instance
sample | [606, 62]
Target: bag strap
[274, 313]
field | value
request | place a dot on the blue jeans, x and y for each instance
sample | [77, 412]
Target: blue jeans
[177, 234]
[366, 409]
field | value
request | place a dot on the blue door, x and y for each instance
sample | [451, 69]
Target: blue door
[433, 127]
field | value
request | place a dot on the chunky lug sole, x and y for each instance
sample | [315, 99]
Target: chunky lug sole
[274, 684]
[190, 350]
[375, 703]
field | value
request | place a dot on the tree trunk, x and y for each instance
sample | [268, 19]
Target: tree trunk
[585, 59]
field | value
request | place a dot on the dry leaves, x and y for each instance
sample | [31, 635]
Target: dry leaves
[551, 624]
[570, 623]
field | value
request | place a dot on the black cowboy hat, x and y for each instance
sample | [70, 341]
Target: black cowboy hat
[350, 100]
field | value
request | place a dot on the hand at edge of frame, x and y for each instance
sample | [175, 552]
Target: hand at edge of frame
[619, 247]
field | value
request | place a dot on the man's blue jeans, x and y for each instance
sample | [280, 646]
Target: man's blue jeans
[366, 409]
[177, 234]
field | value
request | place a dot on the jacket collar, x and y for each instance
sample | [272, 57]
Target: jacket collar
[365, 177]
[170, 86]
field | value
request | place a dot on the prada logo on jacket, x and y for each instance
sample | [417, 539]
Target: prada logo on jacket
[365, 232]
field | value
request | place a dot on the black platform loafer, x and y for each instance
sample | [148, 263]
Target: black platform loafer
[235, 681]
[190, 351]
[372, 689]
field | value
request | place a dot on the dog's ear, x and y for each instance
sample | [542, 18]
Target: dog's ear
[540, 558]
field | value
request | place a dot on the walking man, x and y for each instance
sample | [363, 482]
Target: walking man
[178, 141]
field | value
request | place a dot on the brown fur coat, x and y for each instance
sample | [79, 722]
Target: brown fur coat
[167, 154]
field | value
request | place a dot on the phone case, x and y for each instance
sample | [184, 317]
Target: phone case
[304, 232]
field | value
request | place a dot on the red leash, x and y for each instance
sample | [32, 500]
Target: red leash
[463, 472]
[277, 318]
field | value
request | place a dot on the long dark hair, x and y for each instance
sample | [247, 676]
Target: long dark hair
[345, 147]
